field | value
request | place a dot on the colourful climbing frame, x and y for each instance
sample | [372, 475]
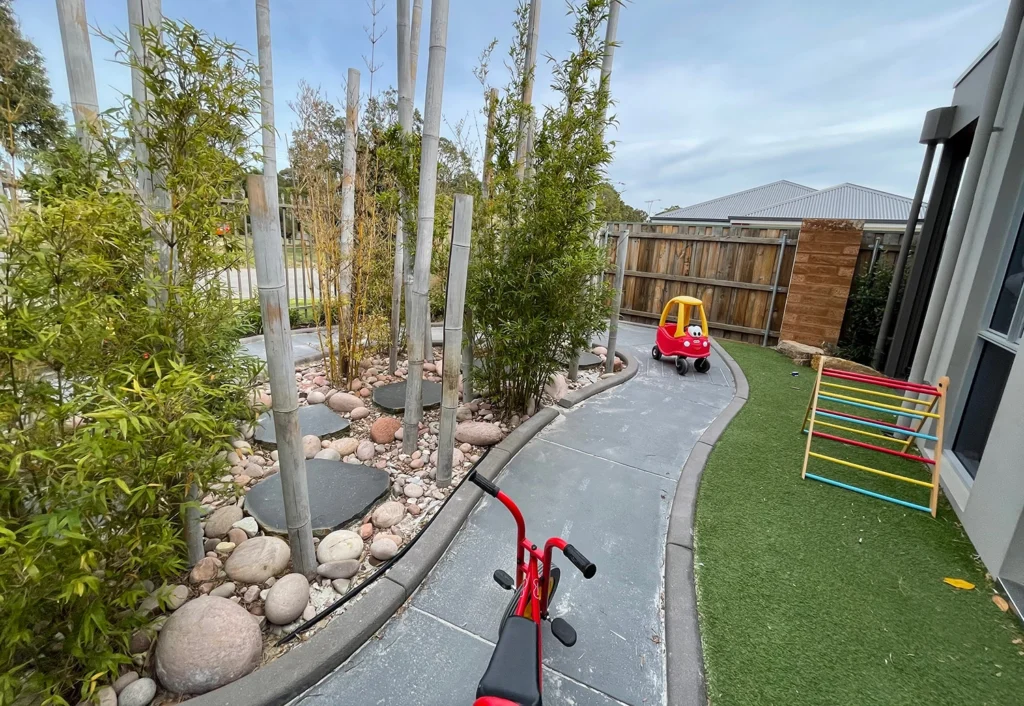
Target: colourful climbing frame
[841, 388]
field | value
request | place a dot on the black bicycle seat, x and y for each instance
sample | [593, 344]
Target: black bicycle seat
[512, 672]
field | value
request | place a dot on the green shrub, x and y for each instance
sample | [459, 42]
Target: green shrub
[534, 256]
[864, 311]
[120, 384]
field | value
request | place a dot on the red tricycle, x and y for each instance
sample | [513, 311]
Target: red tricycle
[683, 339]
[513, 676]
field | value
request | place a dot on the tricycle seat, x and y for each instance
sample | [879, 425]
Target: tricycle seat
[512, 673]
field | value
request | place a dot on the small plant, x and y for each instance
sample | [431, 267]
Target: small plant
[864, 311]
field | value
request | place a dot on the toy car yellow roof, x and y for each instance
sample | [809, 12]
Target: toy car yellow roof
[686, 306]
[692, 301]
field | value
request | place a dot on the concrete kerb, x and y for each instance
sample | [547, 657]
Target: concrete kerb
[303, 666]
[684, 660]
[601, 384]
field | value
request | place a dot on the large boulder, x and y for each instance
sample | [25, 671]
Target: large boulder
[478, 433]
[210, 642]
[339, 546]
[382, 431]
[344, 402]
[849, 366]
[218, 524]
[800, 353]
[257, 559]
[287, 598]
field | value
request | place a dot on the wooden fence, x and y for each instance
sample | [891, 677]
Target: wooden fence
[731, 268]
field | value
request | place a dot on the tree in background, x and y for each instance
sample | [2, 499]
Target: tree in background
[534, 254]
[611, 207]
[28, 117]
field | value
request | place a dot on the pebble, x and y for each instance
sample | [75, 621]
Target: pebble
[388, 514]
[258, 559]
[225, 547]
[465, 448]
[341, 586]
[205, 570]
[124, 680]
[247, 525]
[365, 450]
[339, 546]
[225, 590]
[251, 594]
[359, 413]
[344, 402]
[412, 490]
[139, 693]
[233, 458]
[339, 569]
[366, 531]
[309, 613]
[345, 446]
[328, 454]
[316, 397]
[236, 536]
[478, 433]
[218, 524]
[310, 445]
[287, 599]
[365, 392]
[383, 549]
[105, 696]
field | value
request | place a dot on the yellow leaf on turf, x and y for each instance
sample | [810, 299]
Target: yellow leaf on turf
[1001, 603]
[959, 583]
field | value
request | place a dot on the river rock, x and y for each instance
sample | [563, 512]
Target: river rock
[310, 445]
[341, 586]
[258, 559]
[344, 402]
[124, 680]
[359, 413]
[388, 515]
[383, 430]
[339, 546]
[557, 387]
[413, 490]
[365, 450]
[463, 413]
[247, 525]
[139, 693]
[225, 590]
[106, 696]
[218, 524]
[457, 458]
[315, 397]
[478, 433]
[346, 446]
[339, 569]
[236, 536]
[328, 454]
[205, 570]
[210, 642]
[383, 549]
[287, 599]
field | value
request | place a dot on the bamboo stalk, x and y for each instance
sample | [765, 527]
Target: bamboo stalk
[425, 221]
[271, 283]
[414, 44]
[613, 323]
[348, 183]
[530, 69]
[74, 35]
[405, 120]
[458, 270]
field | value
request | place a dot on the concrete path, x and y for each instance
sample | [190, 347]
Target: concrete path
[602, 476]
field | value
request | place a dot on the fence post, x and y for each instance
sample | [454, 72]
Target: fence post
[874, 253]
[775, 290]
[458, 269]
[419, 325]
[620, 274]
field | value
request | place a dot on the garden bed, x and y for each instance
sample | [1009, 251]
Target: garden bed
[373, 439]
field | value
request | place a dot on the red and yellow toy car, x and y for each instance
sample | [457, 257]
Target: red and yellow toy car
[683, 339]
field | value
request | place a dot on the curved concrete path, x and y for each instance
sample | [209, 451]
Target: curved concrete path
[603, 477]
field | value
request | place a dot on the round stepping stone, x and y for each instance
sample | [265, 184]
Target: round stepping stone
[589, 359]
[316, 420]
[392, 397]
[338, 493]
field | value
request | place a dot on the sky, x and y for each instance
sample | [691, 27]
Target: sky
[710, 97]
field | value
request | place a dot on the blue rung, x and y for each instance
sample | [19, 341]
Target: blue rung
[879, 496]
[883, 427]
[894, 413]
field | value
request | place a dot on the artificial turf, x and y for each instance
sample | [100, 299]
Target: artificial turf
[810, 594]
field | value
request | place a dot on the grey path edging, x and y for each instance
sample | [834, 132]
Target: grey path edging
[303, 666]
[684, 660]
[601, 384]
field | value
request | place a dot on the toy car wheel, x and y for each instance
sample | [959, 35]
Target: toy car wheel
[656, 352]
[681, 365]
[702, 365]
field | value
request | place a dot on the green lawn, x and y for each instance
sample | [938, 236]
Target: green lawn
[809, 594]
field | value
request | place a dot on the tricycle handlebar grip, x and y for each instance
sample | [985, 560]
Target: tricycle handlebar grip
[586, 567]
[485, 485]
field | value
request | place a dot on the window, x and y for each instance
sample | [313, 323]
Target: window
[982, 403]
[1009, 293]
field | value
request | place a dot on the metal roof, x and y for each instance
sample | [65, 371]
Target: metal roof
[725, 207]
[847, 201]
